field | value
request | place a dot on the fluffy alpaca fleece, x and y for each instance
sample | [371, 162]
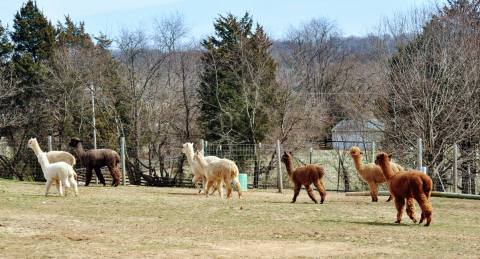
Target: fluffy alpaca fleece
[197, 171]
[60, 173]
[53, 156]
[371, 173]
[95, 159]
[305, 175]
[406, 186]
[222, 170]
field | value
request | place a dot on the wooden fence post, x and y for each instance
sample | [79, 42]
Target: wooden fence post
[122, 156]
[279, 169]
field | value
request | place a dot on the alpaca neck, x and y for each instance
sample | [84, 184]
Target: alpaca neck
[79, 150]
[43, 161]
[386, 169]
[289, 166]
[201, 161]
[189, 155]
[36, 149]
[357, 160]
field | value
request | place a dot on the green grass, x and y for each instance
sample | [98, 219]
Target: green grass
[137, 222]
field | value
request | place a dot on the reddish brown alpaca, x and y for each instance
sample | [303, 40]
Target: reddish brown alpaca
[406, 186]
[305, 175]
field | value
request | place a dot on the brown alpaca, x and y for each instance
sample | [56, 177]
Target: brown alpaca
[371, 173]
[406, 186]
[305, 175]
[96, 159]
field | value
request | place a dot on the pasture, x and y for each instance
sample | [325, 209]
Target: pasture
[138, 221]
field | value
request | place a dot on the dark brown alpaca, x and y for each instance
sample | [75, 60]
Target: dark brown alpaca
[95, 159]
[305, 175]
[406, 186]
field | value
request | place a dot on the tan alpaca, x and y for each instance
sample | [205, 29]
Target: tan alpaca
[217, 171]
[371, 173]
[53, 156]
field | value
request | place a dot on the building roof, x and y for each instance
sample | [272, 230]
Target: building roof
[355, 125]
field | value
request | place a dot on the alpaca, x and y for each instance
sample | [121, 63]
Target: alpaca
[371, 173]
[305, 175]
[53, 156]
[198, 173]
[406, 186]
[95, 159]
[217, 171]
[59, 172]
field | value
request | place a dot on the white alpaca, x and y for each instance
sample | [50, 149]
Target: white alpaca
[217, 171]
[197, 171]
[59, 172]
[53, 156]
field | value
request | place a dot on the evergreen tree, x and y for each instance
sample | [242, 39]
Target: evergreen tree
[5, 46]
[238, 82]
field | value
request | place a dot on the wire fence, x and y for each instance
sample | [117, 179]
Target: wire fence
[260, 164]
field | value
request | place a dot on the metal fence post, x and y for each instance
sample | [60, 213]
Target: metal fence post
[419, 154]
[373, 151]
[455, 166]
[122, 154]
[50, 143]
[311, 154]
[279, 169]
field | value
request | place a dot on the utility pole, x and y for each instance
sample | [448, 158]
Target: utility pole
[92, 89]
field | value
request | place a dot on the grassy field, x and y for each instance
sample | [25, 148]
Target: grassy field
[138, 222]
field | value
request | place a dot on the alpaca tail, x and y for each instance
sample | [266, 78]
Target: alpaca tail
[427, 186]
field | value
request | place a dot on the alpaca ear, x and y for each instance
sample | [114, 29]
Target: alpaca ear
[390, 156]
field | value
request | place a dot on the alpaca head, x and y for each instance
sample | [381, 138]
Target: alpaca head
[287, 156]
[355, 151]
[74, 142]
[383, 158]
[187, 148]
[32, 143]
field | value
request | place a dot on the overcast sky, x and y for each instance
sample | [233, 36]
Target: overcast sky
[353, 17]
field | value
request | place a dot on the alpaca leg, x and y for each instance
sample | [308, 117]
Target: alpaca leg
[60, 188]
[399, 204]
[310, 193]
[228, 185]
[209, 185]
[296, 191]
[57, 185]
[73, 182]
[98, 172]
[88, 175]
[373, 191]
[196, 182]
[115, 173]
[389, 198]
[321, 190]
[426, 207]
[47, 186]
[237, 185]
[411, 209]
[219, 187]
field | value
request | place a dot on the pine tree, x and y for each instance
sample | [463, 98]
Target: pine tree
[238, 82]
[5, 46]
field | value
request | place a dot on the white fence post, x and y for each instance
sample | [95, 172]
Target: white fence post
[122, 156]
[419, 154]
[50, 143]
[311, 154]
[455, 167]
[279, 169]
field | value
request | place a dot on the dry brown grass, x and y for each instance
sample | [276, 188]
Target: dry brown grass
[138, 222]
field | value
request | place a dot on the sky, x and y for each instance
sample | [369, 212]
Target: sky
[352, 17]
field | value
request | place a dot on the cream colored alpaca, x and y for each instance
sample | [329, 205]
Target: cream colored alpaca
[371, 173]
[222, 170]
[59, 172]
[53, 156]
[197, 171]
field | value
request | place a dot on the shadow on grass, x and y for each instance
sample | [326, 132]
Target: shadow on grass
[187, 194]
[370, 223]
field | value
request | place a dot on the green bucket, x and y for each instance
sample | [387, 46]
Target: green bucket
[243, 178]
